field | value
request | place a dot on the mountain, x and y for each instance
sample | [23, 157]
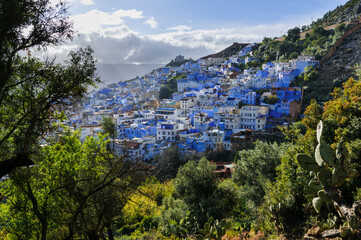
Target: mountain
[228, 52]
[110, 73]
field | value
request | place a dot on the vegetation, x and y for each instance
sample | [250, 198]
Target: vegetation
[168, 89]
[271, 99]
[74, 190]
[254, 169]
[55, 186]
[173, 63]
[30, 89]
[342, 13]
[316, 42]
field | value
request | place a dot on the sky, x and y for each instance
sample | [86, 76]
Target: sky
[155, 31]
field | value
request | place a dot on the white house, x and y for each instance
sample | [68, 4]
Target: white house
[187, 102]
[167, 131]
[253, 117]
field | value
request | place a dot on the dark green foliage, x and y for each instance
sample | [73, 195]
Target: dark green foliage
[282, 210]
[240, 104]
[221, 156]
[254, 168]
[172, 63]
[302, 127]
[253, 64]
[317, 42]
[164, 92]
[109, 127]
[197, 186]
[293, 34]
[175, 218]
[168, 165]
[271, 99]
[168, 89]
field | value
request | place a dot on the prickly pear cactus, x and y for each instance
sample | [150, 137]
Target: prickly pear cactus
[213, 231]
[328, 170]
[329, 173]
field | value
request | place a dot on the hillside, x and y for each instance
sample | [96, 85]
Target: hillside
[228, 52]
[351, 10]
[335, 67]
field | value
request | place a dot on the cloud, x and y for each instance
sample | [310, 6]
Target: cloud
[94, 21]
[216, 39]
[114, 42]
[132, 13]
[151, 22]
[87, 2]
[99, 21]
[180, 28]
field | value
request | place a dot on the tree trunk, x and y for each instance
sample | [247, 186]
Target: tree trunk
[9, 165]
[92, 235]
[44, 228]
[110, 233]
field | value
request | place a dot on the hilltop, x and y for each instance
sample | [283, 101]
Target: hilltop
[228, 52]
[351, 10]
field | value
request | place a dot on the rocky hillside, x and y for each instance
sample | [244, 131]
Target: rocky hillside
[229, 51]
[337, 68]
[351, 10]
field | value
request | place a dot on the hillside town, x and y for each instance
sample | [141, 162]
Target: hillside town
[216, 106]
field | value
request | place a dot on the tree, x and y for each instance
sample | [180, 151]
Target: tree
[164, 92]
[44, 24]
[254, 168]
[197, 186]
[31, 89]
[168, 164]
[108, 127]
[313, 115]
[271, 99]
[293, 34]
[286, 197]
[74, 190]
[344, 110]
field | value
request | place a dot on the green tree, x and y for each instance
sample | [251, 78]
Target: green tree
[32, 90]
[108, 127]
[74, 190]
[164, 92]
[197, 185]
[313, 115]
[168, 164]
[271, 99]
[293, 34]
[254, 168]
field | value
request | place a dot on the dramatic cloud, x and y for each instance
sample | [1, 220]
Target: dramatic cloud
[114, 41]
[120, 44]
[151, 22]
[87, 2]
[95, 20]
